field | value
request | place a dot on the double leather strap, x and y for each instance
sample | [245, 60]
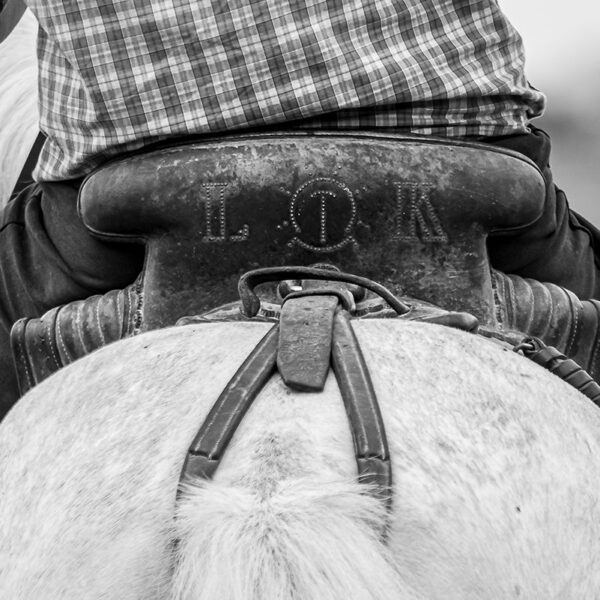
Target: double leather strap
[313, 334]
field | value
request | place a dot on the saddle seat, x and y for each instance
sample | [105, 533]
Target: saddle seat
[410, 212]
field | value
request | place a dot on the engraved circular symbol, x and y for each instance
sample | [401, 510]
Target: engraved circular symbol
[323, 215]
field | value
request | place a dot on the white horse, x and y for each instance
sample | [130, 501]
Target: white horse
[18, 102]
[495, 462]
[495, 465]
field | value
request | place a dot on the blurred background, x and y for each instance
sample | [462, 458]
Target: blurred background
[562, 45]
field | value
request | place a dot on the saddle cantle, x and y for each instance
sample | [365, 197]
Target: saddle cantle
[412, 213]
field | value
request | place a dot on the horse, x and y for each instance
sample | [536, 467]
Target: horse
[494, 463]
[18, 102]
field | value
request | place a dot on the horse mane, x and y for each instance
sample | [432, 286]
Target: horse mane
[18, 102]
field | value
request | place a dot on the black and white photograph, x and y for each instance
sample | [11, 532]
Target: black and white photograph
[299, 300]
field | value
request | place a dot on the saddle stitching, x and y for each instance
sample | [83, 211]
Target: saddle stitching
[121, 312]
[25, 358]
[61, 342]
[79, 329]
[50, 326]
[576, 310]
[97, 314]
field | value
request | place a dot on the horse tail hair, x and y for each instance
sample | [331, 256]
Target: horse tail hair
[303, 541]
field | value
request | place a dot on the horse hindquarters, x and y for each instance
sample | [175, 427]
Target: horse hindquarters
[494, 465]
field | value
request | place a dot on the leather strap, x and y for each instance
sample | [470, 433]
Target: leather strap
[556, 362]
[330, 320]
[25, 177]
[251, 279]
[206, 451]
[358, 393]
[305, 333]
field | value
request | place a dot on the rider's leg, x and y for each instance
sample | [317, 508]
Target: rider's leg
[48, 259]
[553, 291]
[561, 247]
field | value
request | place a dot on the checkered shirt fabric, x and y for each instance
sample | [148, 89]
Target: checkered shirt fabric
[118, 74]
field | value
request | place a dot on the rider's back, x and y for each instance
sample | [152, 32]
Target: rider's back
[116, 76]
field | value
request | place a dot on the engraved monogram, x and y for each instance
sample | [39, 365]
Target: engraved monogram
[416, 218]
[215, 206]
[323, 214]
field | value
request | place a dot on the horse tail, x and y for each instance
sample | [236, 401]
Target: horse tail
[304, 541]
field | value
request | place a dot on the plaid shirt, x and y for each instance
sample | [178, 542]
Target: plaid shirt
[118, 74]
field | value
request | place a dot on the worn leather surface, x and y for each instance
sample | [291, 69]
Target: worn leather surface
[553, 314]
[65, 333]
[211, 441]
[304, 345]
[411, 213]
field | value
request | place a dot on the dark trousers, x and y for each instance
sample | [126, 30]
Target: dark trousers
[49, 259]
[561, 247]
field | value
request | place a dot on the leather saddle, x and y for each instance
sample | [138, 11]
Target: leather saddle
[411, 213]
